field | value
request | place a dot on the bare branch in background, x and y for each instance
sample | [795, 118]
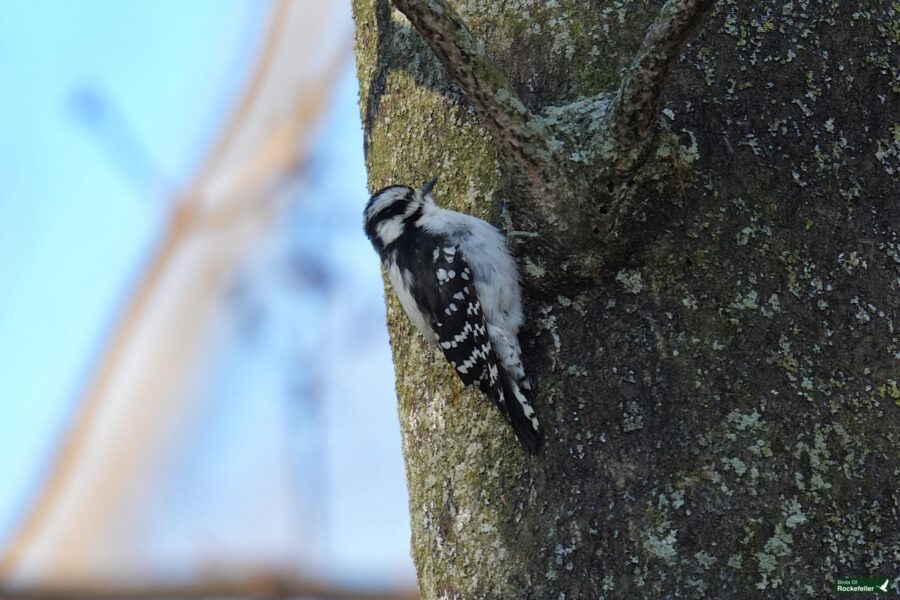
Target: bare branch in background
[120, 140]
[138, 379]
[76, 437]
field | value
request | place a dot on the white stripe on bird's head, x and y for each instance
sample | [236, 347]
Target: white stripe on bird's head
[390, 229]
[387, 197]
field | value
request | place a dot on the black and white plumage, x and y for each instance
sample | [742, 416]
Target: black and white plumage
[459, 285]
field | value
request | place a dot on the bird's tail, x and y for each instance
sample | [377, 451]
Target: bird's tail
[510, 398]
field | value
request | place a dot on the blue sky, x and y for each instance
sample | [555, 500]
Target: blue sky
[79, 206]
[108, 106]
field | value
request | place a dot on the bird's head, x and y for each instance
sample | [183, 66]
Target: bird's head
[392, 210]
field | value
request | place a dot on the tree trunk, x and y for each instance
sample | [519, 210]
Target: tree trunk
[713, 334]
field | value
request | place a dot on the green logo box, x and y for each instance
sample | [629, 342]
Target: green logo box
[861, 585]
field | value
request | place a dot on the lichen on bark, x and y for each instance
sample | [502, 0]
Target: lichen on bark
[722, 396]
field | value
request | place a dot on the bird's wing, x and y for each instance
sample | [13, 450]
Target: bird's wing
[458, 319]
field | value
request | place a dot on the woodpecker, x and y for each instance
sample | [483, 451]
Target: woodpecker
[459, 285]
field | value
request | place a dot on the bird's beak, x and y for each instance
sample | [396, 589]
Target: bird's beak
[426, 189]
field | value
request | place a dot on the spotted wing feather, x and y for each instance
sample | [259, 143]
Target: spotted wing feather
[459, 321]
[464, 339]
[454, 310]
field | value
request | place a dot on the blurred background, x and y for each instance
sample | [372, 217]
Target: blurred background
[196, 391]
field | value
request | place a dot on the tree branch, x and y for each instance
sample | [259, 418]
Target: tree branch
[523, 140]
[632, 115]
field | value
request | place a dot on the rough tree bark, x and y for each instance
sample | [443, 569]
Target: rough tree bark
[713, 290]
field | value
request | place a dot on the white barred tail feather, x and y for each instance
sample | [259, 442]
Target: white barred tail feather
[514, 405]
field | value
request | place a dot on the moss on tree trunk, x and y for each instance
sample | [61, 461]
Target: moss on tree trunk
[721, 399]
